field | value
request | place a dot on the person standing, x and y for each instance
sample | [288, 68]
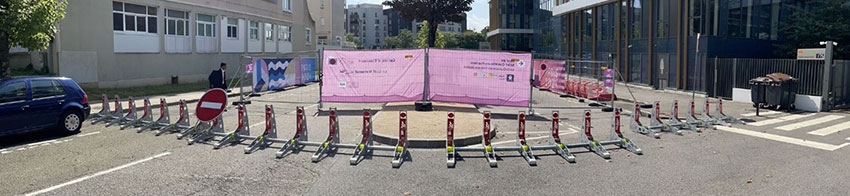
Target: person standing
[218, 77]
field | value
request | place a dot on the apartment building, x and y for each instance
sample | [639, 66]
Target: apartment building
[368, 23]
[151, 41]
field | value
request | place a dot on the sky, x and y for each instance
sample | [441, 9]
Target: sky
[476, 19]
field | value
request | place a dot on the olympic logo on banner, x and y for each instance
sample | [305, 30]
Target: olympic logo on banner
[332, 60]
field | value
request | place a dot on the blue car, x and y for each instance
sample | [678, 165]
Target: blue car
[36, 103]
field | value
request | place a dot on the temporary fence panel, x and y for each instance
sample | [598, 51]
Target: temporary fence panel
[549, 75]
[279, 73]
[492, 78]
[373, 76]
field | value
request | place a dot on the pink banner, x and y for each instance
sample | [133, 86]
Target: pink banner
[491, 78]
[373, 76]
[549, 75]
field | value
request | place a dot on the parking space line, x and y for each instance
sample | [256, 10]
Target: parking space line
[831, 129]
[95, 175]
[809, 122]
[790, 140]
[761, 113]
[781, 119]
[88, 134]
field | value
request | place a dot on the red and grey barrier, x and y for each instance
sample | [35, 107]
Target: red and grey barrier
[333, 137]
[365, 139]
[638, 127]
[525, 151]
[722, 117]
[269, 134]
[104, 113]
[300, 134]
[692, 118]
[655, 121]
[118, 114]
[401, 147]
[617, 137]
[242, 131]
[144, 120]
[707, 117]
[674, 119]
[182, 120]
[206, 134]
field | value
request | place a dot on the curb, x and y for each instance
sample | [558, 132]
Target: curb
[173, 103]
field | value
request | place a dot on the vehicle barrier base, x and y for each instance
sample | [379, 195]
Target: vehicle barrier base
[181, 124]
[656, 122]
[217, 128]
[329, 145]
[636, 126]
[269, 136]
[300, 137]
[242, 129]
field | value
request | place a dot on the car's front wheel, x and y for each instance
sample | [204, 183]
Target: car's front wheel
[71, 122]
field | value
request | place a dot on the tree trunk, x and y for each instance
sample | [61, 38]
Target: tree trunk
[4, 55]
[432, 33]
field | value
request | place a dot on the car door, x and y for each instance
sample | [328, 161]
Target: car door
[13, 107]
[45, 104]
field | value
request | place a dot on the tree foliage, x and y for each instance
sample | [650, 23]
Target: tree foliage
[814, 21]
[29, 24]
[434, 11]
[423, 37]
[350, 38]
[403, 40]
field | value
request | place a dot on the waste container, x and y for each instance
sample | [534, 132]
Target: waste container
[757, 90]
[782, 94]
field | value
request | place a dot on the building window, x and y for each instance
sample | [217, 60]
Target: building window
[177, 23]
[133, 18]
[309, 33]
[232, 26]
[206, 24]
[269, 32]
[284, 33]
[286, 5]
[254, 30]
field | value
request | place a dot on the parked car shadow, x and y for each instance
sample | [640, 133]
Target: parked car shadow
[20, 139]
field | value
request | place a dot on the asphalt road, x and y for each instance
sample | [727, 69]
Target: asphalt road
[739, 160]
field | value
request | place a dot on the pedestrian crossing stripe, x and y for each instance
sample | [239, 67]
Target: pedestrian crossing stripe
[779, 138]
[831, 129]
[781, 119]
[765, 113]
[809, 122]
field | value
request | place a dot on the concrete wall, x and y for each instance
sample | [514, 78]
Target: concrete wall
[802, 102]
[86, 49]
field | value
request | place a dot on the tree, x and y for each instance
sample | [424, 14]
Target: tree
[434, 11]
[485, 30]
[29, 24]
[404, 39]
[815, 21]
[470, 39]
[350, 38]
[423, 38]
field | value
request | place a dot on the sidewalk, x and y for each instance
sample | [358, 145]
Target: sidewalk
[646, 95]
[171, 99]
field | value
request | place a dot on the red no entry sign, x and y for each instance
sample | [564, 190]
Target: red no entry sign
[211, 105]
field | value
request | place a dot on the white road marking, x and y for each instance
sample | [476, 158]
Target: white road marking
[765, 113]
[831, 129]
[257, 124]
[95, 175]
[790, 140]
[781, 119]
[809, 122]
[88, 134]
[42, 142]
[569, 131]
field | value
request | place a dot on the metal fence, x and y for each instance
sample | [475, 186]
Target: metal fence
[841, 84]
[725, 74]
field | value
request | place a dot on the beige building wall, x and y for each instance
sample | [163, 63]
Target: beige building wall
[84, 48]
[330, 20]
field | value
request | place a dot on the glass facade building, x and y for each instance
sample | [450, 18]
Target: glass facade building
[511, 25]
[654, 42]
